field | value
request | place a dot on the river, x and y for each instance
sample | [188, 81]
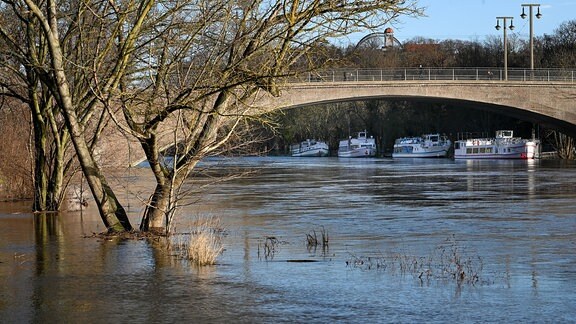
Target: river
[408, 241]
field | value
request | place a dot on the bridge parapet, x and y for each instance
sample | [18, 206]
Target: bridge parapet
[439, 74]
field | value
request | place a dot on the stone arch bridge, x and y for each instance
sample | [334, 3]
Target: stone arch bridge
[542, 96]
[546, 97]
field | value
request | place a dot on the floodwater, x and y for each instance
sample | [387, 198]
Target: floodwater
[408, 241]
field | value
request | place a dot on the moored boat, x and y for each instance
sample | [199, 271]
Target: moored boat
[360, 146]
[503, 146]
[426, 146]
[309, 148]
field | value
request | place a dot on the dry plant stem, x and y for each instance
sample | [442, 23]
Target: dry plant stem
[447, 262]
[202, 244]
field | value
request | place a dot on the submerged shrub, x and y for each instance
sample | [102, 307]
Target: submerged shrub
[204, 248]
[202, 244]
[268, 247]
[312, 240]
[448, 261]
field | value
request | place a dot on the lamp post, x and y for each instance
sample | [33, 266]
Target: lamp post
[538, 15]
[504, 23]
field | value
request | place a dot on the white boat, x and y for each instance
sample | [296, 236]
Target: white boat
[426, 146]
[309, 148]
[503, 146]
[360, 146]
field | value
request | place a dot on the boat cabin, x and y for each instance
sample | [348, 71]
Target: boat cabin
[504, 134]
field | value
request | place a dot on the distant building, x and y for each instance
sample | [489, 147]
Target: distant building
[383, 41]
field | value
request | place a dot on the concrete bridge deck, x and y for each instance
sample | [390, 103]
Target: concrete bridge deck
[546, 96]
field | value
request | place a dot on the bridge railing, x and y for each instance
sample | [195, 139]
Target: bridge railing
[439, 74]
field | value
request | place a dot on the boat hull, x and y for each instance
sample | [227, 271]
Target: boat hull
[521, 156]
[525, 150]
[311, 153]
[426, 146]
[310, 148]
[420, 152]
[357, 153]
[432, 154]
[360, 147]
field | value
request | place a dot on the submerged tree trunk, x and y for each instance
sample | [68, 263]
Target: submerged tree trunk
[163, 202]
[111, 211]
[50, 164]
[113, 214]
[40, 172]
[565, 146]
[157, 211]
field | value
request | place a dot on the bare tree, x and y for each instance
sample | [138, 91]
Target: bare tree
[558, 49]
[200, 72]
[181, 72]
[563, 144]
[22, 50]
[85, 49]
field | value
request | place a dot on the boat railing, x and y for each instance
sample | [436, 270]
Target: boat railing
[511, 140]
[408, 140]
[472, 135]
[437, 143]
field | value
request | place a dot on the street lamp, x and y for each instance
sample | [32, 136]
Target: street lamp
[504, 22]
[538, 15]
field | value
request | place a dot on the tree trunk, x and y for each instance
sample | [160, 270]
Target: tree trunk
[40, 176]
[56, 187]
[111, 211]
[49, 167]
[157, 213]
[113, 214]
[40, 138]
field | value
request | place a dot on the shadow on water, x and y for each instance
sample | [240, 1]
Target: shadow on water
[59, 275]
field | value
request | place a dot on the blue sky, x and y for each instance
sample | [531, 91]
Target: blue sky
[475, 19]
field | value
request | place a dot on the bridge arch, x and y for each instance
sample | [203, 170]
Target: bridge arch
[549, 104]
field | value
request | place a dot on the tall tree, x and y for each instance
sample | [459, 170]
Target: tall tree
[558, 50]
[200, 71]
[194, 67]
[86, 48]
[22, 50]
